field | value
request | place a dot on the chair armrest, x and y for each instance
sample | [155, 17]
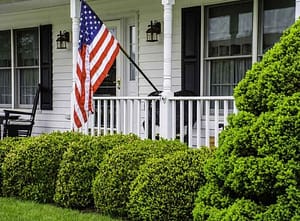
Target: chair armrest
[7, 112]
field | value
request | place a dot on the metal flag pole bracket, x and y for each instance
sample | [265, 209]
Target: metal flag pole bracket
[138, 68]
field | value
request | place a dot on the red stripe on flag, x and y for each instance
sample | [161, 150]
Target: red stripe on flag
[77, 120]
[106, 70]
[90, 68]
[99, 44]
[80, 95]
[102, 57]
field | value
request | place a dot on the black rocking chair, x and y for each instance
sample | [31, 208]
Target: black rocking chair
[20, 123]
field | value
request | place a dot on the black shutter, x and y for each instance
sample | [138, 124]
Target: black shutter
[190, 77]
[46, 67]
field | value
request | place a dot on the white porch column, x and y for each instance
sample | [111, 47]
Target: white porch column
[165, 113]
[297, 13]
[75, 16]
[255, 32]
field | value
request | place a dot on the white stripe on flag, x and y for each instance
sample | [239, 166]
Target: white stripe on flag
[104, 63]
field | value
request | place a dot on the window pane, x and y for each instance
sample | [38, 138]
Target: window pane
[5, 49]
[5, 86]
[28, 83]
[225, 75]
[132, 51]
[27, 47]
[230, 30]
[278, 15]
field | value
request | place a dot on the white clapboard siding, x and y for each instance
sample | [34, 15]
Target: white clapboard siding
[150, 54]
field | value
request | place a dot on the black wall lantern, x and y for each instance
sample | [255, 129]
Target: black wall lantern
[153, 31]
[62, 39]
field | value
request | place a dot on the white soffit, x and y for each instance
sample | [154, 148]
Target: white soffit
[9, 6]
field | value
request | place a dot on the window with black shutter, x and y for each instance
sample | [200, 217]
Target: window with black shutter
[29, 64]
[190, 77]
[227, 43]
[46, 67]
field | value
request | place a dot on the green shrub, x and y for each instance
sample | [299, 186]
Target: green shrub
[165, 188]
[5, 146]
[277, 75]
[258, 160]
[120, 167]
[211, 201]
[78, 168]
[257, 164]
[241, 210]
[30, 169]
[286, 209]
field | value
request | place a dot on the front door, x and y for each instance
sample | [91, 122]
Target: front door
[111, 85]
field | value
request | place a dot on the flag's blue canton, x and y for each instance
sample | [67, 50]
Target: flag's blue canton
[90, 25]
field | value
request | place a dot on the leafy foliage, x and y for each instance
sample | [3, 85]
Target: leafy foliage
[5, 146]
[165, 188]
[255, 174]
[30, 169]
[277, 75]
[120, 167]
[78, 168]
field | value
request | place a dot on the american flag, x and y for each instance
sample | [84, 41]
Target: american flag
[97, 52]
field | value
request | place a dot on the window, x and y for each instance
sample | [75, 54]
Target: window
[226, 35]
[132, 46]
[277, 16]
[5, 70]
[229, 46]
[29, 64]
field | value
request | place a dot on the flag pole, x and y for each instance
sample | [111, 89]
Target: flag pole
[138, 68]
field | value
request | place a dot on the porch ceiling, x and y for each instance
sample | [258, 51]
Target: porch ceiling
[8, 6]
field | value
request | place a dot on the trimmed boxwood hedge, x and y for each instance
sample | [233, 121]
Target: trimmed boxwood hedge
[78, 168]
[120, 167]
[30, 169]
[165, 188]
[5, 146]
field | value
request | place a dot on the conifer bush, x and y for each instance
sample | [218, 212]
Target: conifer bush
[78, 168]
[165, 188]
[119, 167]
[256, 169]
[274, 77]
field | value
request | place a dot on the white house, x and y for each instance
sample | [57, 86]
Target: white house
[204, 47]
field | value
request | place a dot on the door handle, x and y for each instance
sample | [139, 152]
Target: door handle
[119, 84]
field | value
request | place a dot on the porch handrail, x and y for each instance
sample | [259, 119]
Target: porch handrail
[127, 98]
[196, 120]
[209, 98]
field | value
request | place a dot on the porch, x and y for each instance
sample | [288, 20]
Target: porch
[196, 121]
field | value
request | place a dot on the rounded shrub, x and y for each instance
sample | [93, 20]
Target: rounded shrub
[5, 146]
[30, 169]
[277, 75]
[165, 188]
[120, 167]
[78, 168]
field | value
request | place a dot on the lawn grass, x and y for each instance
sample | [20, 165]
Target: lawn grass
[16, 210]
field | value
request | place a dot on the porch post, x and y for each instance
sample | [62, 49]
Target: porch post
[255, 32]
[165, 107]
[297, 12]
[75, 15]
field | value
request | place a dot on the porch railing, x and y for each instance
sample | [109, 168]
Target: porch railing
[195, 120]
